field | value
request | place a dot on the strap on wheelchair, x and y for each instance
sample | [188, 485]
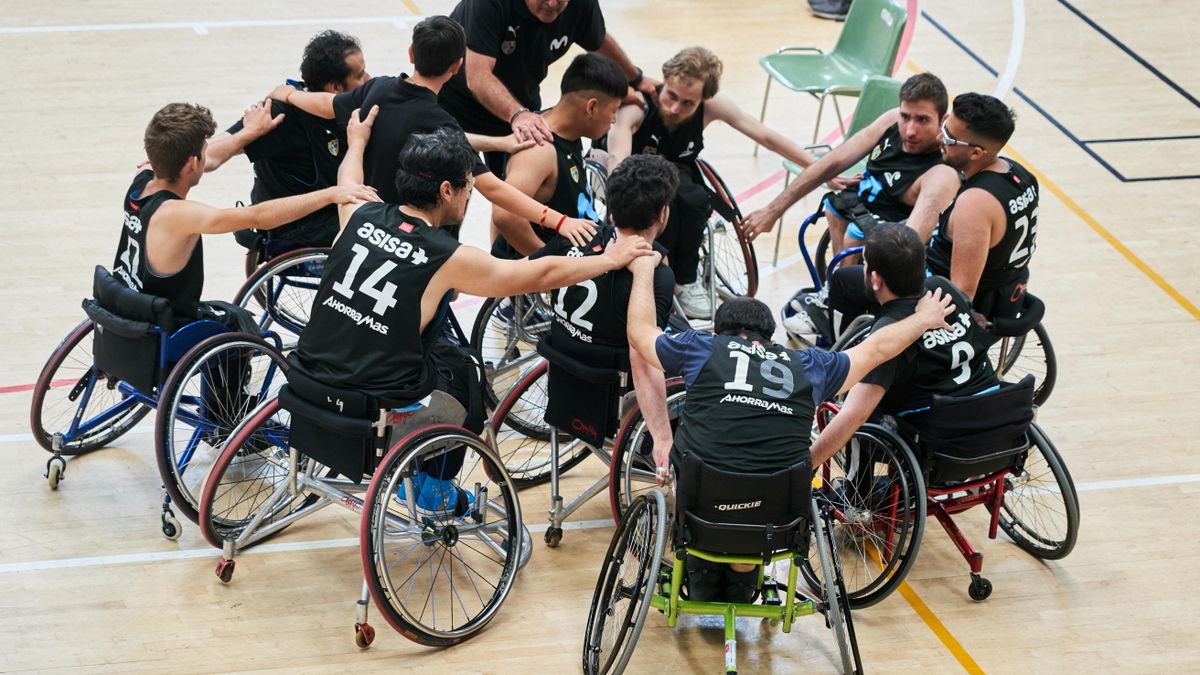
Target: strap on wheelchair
[118, 325]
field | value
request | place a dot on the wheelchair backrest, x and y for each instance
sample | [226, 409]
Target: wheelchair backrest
[585, 383]
[131, 328]
[964, 437]
[740, 513]
[337, 427]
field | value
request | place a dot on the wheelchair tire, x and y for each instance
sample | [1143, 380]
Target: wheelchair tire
[597, 182]
[504, 338]
[835, 602]
[200, 405]
[822, 257]
[732, 255]
[522, 437]
[878, 533]
[1033, 506]
[639, 540]
[1032, 353]
[56, 402]
[252, 469]
[279, 293]
[398, 539]
[632, 470]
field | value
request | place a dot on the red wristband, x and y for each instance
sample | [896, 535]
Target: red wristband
[542, 220]
[560, 222]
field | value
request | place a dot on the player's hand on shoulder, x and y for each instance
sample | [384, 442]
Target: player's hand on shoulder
[282, 92]
[649, 86]
[934, 307]
[645, 263]
[625, 249]
[354, 194]
[257, 120]
[512, 146]
[578, 231]
[359, 128]
[530, 126]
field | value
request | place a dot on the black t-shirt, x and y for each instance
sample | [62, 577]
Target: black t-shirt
[364, 331]
[404, 109]
[889, 173]
[682, 144]
[595, 311]
[940, 362]
[131, 266]
[299, 156]
[1017, 192]
[523, 47]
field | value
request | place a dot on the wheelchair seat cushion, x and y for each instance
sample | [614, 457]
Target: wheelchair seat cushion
[584, 385]
[332, 425]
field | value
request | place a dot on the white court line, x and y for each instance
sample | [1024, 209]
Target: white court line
[1015, 47]
[783, 264]
[202, 27]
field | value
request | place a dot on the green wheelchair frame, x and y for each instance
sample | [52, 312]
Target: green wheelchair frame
[642, 534]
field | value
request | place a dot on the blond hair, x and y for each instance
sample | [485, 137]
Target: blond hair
[696, 63]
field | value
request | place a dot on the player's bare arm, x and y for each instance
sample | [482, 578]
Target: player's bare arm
[257, 122]
[533, 174]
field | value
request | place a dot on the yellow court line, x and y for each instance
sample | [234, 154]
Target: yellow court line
[939, 629]
[412, 7]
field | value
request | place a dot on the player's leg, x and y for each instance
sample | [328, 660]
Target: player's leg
[688, 217]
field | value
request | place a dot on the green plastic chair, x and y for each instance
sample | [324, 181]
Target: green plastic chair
[879, 95]
[867, 46]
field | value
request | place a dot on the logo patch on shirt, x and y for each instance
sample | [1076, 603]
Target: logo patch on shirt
[333, 147]
[508, 46]
[560, 43]
[575, 174]
[597, 248]
[406, 227]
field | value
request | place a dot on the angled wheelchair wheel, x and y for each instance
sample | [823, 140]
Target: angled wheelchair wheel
[834, 600]
[505, 337]
[279, 293]
[632, 470]
[597, 181]
[731, 254]
[627, 581]
[876, 493]
[441, 547]
[1029, 354]
[84, 407]
[1040, 511]
[251, 481]
[209, 392]
[522, 437]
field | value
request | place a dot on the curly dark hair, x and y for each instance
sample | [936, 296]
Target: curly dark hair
[325, 59]
[748, 315]
[428, 160]
[986, 116]
[639, 188]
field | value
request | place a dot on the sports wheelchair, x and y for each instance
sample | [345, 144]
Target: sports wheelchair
[961, 452]
[281, 282]
[720, 517]
[441, 535]
[131, 356]
[1022, 344]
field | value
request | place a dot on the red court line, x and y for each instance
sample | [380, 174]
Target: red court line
[12, 389]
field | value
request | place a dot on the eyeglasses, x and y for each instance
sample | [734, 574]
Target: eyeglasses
[947, 139]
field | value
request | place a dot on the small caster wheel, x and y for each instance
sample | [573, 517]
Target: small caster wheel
[171, 528]
[364, 635]
[56, 470]
[980, 589]
[225, 570]
[553, 536]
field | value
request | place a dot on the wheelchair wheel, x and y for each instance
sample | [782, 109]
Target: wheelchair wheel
[279, 294]
[522, 437]
[597, 181]
[209, 392]
[626, 583]
[822, 256]
[440, 548]
[1032, 353]
[632, 470]
[69, 388]
[1040, 512]
[252, 477]
[875, 489]
[836, 604]
[732, 255]
[505, 337]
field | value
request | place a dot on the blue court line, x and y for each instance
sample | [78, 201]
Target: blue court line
[1132, 54]
[1147, 138]
[1083, 145]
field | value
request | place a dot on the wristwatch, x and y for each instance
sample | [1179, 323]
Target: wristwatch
[513, 118]
[637, 79]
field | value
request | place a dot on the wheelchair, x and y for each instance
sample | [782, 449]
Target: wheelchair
[760, 520]
[1022, 344]
[131, 356]
[438, 562]
[281, 282]
[960, 453]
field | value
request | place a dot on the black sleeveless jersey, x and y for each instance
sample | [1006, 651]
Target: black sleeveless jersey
[1017, 192]
[749, 409]
[682, 144]
[594, 311]
[571, 195]
[941, 362]
[131, 266]
[364, 331]
[889, 173]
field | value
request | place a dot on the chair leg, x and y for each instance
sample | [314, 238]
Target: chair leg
[820, 111]
[787, 178]
[762, 114]
[841, 121]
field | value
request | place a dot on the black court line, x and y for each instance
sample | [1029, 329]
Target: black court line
[1144, 139]
[1132, 54]
[1083, 145]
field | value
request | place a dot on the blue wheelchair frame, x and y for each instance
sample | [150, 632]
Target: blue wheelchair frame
[822, 341]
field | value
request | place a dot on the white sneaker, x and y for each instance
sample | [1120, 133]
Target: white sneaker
[695, 300]
[800, 325]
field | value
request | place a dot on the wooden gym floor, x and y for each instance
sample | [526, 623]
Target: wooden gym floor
[1107, 99]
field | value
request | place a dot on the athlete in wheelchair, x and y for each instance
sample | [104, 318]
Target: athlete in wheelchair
[742, 499]
[149, 342]
[581, 392]
[944, 435]
[376, 390]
